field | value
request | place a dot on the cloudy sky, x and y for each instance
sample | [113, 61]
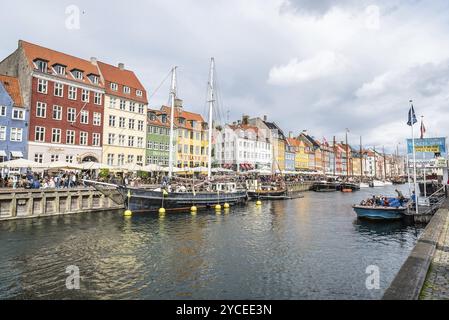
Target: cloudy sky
[318, 65]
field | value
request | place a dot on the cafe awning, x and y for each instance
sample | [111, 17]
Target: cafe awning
[16, 154]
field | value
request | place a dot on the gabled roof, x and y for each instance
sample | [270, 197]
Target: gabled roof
[12, 86]
[157, 121]
[293, 142]
[34, 52]
[244, 127]
[122, 78]
[188, 116]
[274, 126]
[311, 140]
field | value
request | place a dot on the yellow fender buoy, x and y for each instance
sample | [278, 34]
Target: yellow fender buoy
[161, 211]
[128, 213]
[193, 209]
[258, 203]
[218, 207]
[226, 206]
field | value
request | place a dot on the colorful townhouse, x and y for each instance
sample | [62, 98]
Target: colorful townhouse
[13, 120]
[328, 158]
[125, 115]
[158, 139]
[312, 149]
[301, 159]
[65, 95]
[290, 156]
[192, 137]
[242, 147]
[277, 140]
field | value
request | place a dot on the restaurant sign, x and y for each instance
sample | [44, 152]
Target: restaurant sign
[432, 145]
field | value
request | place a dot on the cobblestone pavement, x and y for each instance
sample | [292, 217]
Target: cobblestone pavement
[436, 286]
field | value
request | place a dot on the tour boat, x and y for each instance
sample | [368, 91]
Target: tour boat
[380, 213]
[364, 185]
[266, 194]
[349, 186]
[325, 186]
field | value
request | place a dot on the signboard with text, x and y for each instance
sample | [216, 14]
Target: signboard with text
[428, 145]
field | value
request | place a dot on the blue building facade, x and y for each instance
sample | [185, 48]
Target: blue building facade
[13, 121]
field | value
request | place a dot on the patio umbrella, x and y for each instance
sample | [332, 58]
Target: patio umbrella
[95, 166]
[63, 165]
[22, 163]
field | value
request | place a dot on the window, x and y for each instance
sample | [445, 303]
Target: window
[39, 134]
[132, 107]
[111, 138]
[126, 90]
[140, 160]
[85, 95]
[77, 74]
[38, 157]
[2, 133]
[139, 93]
[96, 139]
[139, 142]
[57, 112]
[69, 159]
[121, 159]
[72, 93]
[71, 114]
[141, 108]
[56, 135]
[70, 137]
[41, 65]
[97, 119]
[84, 117]
[140, 125]
[114, 86]
[112, 121]
[97, 98]
[121, 122]
[42, 86]
[122, 105]
[112, 103]
[18, 114]
[149, 145]
[131, 141]
[131, 123]
[60, 70]
[59, 90]
[54, 158]
[16, 134]
[3, 111]
[121, 140]
[83, 138]
[93, 78]
[41, 110]
[110, 159]
[130, 158]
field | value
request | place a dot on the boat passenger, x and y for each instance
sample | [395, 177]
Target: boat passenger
[400, 197]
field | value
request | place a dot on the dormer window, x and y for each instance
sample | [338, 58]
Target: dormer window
[77, 74]
[164, 118]
[93, 78]
[126, 90]
[152, 117]
[59, 69]
[181, 121]
[139, 93]
[41, 65]
[114, 86]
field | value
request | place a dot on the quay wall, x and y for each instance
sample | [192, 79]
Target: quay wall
[299, 186]
[23, 204]
[408, 283]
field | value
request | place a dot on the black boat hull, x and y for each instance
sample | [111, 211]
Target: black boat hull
[264, 195]
[141, 200]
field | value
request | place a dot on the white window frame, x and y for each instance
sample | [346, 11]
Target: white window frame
[3, 111]
[84, 134]
[42, 86]
[41, 132]
[58, 109]
[16, 134]
[70, 137]
[2, 133]
[97, 98]
[85, 95]
[58, 90]
[56, 132]
[114, 86]
[73, 92]
[96, 119]
[96, 139]
[71, 112]
[84, 117]
[126, 90]
[42, 107]
[19, 111]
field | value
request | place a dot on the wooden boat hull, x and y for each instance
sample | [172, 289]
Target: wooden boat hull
[380, 213]
[266, 194]
[142, 200]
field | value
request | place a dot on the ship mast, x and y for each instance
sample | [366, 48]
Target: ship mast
[172, 120]
[211, 108]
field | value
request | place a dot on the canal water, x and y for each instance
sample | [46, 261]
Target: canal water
[309, 248]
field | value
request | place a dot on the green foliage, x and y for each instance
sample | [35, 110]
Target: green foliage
[104, 173]
[143, 174]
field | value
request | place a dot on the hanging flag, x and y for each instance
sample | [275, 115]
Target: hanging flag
[325, 142]
[411, 117]
[423, 129]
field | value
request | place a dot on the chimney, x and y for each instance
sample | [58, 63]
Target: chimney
[93, 60]
[265, 118]
[178, 103]
[290, 134]
[121, 66]
[245, 120]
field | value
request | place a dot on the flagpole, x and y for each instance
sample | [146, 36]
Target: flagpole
[424, 159]
[414, 158]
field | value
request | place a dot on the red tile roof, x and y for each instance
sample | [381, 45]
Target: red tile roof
[244, 127]
[158, 122]
[293, 142]
[12, 86]
[188, 116]
[122, 78]
[33, 52]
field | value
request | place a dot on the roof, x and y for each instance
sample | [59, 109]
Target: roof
[180, 113]
[293, 142]
[122, 78]
[244, 127]
[274, 126]
[33, 52]
[157, 121]
[12, 86]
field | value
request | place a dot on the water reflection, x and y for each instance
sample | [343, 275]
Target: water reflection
[302, 248]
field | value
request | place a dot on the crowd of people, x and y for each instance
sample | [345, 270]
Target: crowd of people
[383, 201]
